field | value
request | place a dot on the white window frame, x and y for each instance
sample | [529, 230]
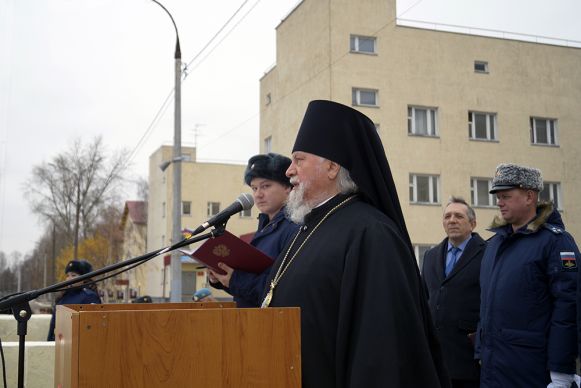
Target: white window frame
[268, 144]
[554, 188]
[491, 126]
[433, 189]
[354, 44]
[432, 121]
[474, 192]
[420, 250]
[356, 96]
[211, 211]
[552, 140]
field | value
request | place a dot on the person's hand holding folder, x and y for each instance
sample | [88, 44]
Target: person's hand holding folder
[224, 279]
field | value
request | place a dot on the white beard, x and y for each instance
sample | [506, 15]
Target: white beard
[296, 207]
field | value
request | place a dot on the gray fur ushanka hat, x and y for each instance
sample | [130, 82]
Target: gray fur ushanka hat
[511, 176]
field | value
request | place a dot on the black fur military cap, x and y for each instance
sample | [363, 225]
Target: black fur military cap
[268, 166]
[80, 267]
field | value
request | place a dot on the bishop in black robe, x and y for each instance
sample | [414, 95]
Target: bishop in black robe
[351, 270]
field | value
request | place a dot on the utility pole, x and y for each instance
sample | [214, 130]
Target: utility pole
[176, 264]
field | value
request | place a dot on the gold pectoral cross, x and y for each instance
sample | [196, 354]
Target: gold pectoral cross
[268, 297]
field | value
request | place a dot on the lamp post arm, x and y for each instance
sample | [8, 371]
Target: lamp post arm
[178, 51]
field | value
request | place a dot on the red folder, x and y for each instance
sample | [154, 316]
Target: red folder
[230, 250]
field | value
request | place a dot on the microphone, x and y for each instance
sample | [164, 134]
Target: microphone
[243, 202]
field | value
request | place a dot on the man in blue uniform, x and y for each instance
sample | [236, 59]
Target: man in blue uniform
[265, 174]
[76, 294]
[527, 330]
[451, 272]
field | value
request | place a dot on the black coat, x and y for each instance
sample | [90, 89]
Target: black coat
[364, 316]
[455, 304]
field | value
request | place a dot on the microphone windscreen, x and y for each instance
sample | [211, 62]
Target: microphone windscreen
[246, 200]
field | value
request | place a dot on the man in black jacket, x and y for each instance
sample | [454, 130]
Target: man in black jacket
[451, 271]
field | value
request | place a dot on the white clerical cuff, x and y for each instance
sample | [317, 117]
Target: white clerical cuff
[561, 380]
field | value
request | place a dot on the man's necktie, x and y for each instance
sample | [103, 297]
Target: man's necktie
[454, 253]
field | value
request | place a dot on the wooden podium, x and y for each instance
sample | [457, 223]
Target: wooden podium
[176, 345]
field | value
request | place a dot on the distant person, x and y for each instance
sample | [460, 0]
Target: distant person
[265, 174]
[203, 295]
[527, 332]
[76, 294]
[143, 299]
[451, 271]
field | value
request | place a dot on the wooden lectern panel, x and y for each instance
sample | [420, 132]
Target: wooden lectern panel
[177, 345]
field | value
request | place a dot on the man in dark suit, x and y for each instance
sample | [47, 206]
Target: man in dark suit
[451, 272]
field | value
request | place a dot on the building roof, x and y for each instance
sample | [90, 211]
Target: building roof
[137, 211]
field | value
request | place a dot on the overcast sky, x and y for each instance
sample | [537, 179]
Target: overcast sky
[71, 68]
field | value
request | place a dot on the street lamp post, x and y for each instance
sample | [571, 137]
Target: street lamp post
[176, 265]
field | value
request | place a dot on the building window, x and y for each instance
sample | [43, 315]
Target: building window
[186, 208]
[480, 192]
[364, 97]
[268, 144]
[363, 44]
[246, 213]
[420, 250]
[544, 131]
[482, 126]
[163, 210]
[552, 192]
[480, 67]
[422, 121]
[268, 99]
[424, 189]
[213, 208]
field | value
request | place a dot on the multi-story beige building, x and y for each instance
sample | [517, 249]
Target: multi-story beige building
[134, 228]
[449, 107]
[207, 188]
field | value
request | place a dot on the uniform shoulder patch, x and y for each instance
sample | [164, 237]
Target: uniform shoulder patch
[568, 260]
[554, 229]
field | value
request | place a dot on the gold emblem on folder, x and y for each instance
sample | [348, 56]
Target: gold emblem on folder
[221, 250]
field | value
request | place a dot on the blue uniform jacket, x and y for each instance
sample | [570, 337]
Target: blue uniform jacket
[74, 296]
[271, 237]
[527, 310]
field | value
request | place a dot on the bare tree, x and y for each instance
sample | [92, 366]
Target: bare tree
[74, 186]
[142, 189]
[8, 273]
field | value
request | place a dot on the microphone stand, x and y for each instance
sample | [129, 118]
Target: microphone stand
[20, 306]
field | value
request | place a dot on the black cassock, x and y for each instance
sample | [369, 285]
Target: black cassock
[364, 317]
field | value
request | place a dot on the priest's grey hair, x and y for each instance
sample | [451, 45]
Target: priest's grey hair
[345, 184]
